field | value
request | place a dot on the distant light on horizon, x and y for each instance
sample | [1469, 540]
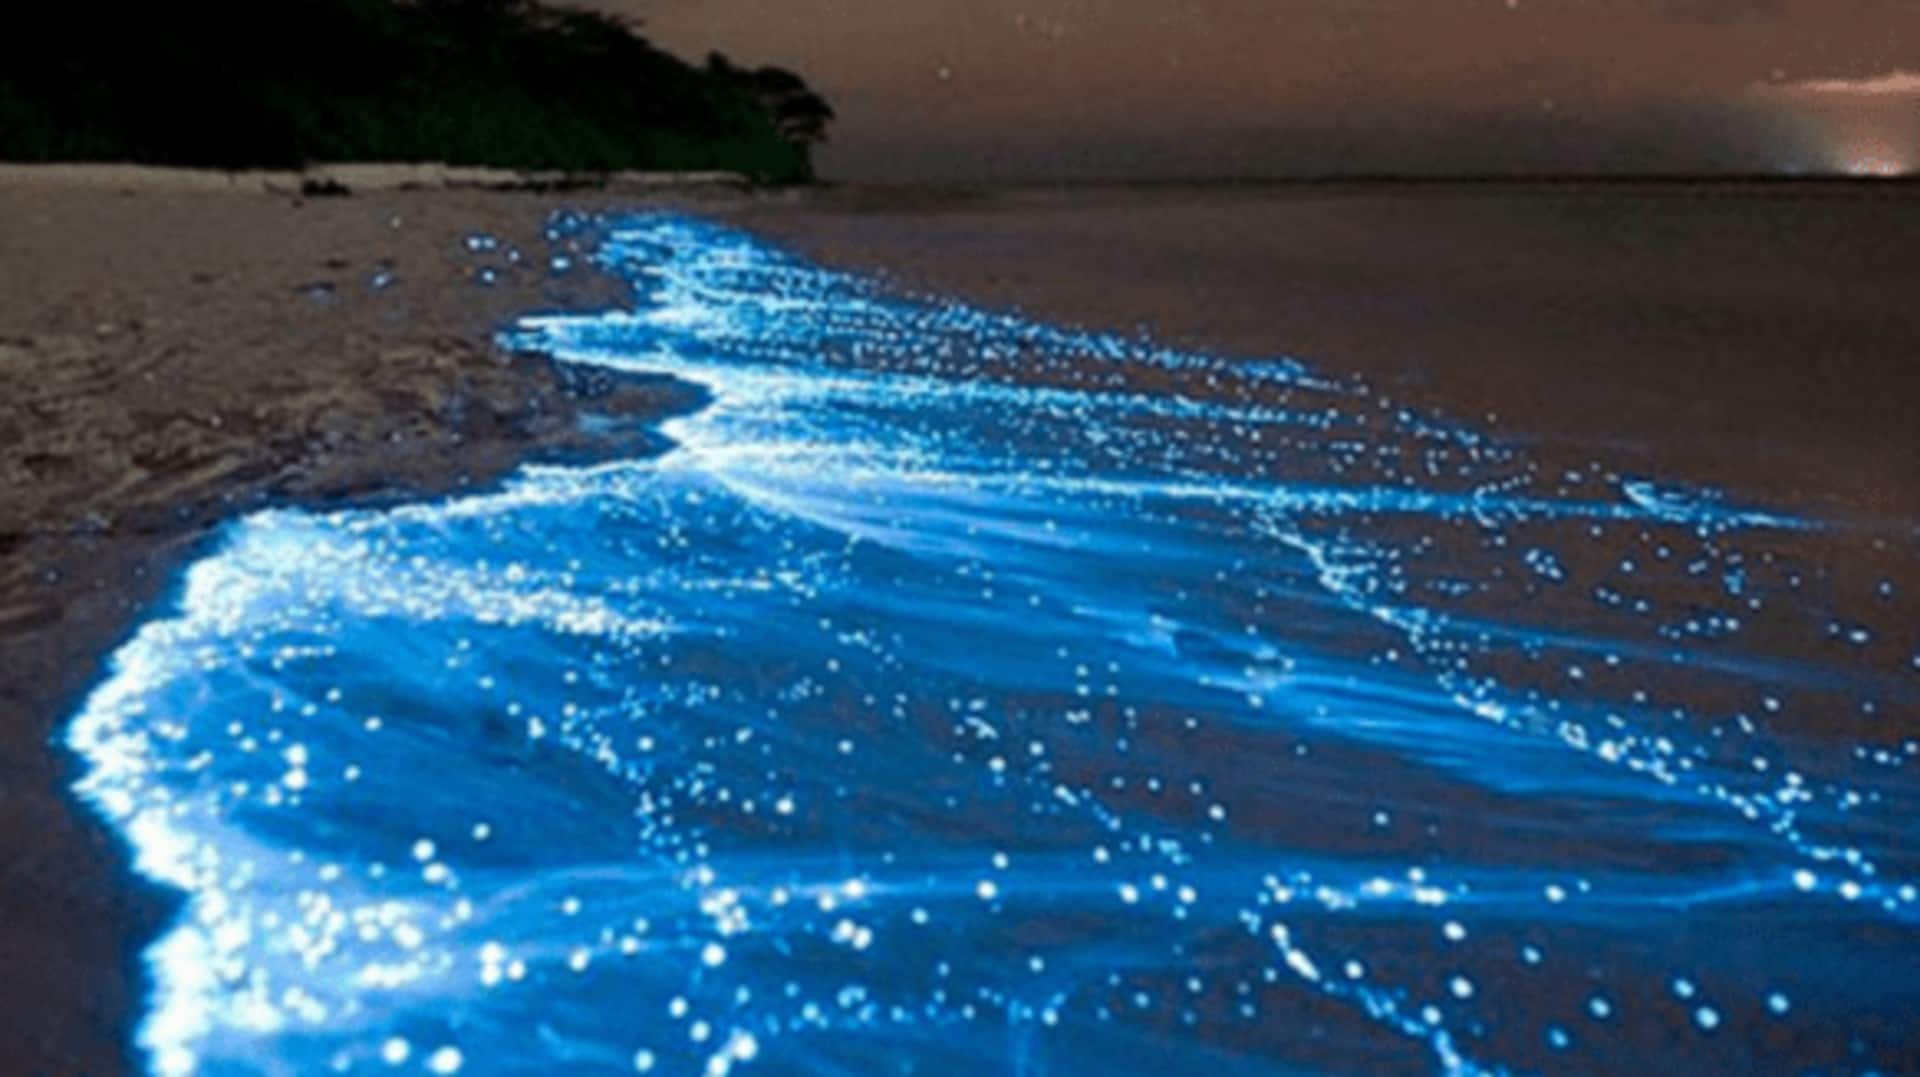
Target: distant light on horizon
[1869, 154]
[1867, 133]
[1878, 166]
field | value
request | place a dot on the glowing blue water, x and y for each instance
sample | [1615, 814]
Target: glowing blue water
[965, 694]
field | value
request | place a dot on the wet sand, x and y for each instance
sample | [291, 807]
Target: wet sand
[1761, 337]
[170, 361]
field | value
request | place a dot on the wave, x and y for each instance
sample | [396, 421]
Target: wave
[962, 692]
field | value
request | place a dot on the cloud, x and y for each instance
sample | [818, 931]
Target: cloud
[1896, 83]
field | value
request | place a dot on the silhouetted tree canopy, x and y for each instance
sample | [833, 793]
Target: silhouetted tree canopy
[276, 83]
[800, 114]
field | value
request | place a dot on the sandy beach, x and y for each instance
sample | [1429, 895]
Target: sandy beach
[172, 360]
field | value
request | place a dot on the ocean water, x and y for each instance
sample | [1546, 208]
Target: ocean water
[965, 694]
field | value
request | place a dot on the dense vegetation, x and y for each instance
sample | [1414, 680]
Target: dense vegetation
[278, 83]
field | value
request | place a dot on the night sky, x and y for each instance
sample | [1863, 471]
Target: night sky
[1037, 89]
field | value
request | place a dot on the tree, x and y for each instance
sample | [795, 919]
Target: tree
[505, 83]
[799, 114]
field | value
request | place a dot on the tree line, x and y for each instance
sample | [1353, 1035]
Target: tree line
[502, 83]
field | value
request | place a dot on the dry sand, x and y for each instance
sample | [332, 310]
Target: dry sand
[171, 359]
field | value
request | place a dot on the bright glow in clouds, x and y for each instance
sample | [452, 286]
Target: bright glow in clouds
[1891, 84]
[966, 694]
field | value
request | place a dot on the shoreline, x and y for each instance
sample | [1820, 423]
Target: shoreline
[286, 355]
[133, 445]
[146, 907]
[353, 178]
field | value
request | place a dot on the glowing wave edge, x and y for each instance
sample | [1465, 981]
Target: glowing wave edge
[965, 694]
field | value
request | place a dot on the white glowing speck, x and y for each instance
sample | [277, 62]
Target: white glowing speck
[743, 1046]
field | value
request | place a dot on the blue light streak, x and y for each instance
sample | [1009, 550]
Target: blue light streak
[971, 694]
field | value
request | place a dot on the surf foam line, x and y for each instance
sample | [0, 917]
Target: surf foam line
[968, 693]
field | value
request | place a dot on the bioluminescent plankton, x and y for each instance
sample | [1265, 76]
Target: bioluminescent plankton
[966, 694]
